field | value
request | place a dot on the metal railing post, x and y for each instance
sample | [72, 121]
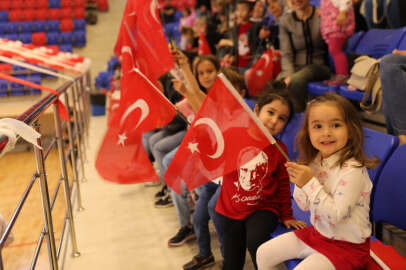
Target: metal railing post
[61, 147]
[80, 112]
[73, 158]
[84, 93]
[79, 136]
[49, 229]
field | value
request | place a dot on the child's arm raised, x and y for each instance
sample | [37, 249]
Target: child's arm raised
[192, 90]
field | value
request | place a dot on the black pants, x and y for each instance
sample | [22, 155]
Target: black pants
[247, 233]
[299, 81]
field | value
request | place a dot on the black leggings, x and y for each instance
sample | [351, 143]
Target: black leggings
[247, 233]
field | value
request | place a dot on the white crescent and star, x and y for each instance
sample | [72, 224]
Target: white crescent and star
[121, 139]
[217, 133]
[140, 103]
[260, 72]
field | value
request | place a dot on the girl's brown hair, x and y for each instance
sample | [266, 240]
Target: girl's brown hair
[353, 148]
[271, 93]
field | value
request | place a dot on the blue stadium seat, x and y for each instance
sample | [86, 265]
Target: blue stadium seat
[39, 26]
[37, 80]
[17, 89]
[319, 88]
[54, 3]
[315, 3]
[288, 135]
[380, 145]
[25, 38]
[79, 24]
[178, 16]
[3, 88]
[66, 47]
[18, 68]
[11, 36]
[3, 16]
[379, 42]
[3, 28]
[390, 191]
[52, 26]
[53, 38]
[353, 41]
[402, 44]
[66, 37]
[26, 27]
[12, 27]
[79, 38]
[352, 95]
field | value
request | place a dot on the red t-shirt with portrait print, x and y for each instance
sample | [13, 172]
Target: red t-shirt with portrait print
[244, 53]
[260, 184]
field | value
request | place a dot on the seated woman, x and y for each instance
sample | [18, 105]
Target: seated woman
[393, 79]
[303, 51]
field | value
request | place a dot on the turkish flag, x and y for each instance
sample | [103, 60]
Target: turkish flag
[224, 135]
[385, 255]
[150, 49]
[144, 107]
[265, 69]
[122, 157]
[203, 46]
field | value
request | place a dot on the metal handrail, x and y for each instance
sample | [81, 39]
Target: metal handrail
[77, 129]
[30, 115]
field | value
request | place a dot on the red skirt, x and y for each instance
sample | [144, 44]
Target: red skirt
[342, 254]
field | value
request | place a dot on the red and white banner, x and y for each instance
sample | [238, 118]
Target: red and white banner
[44, 56]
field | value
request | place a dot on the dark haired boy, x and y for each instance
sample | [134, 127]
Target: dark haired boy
[243, 35]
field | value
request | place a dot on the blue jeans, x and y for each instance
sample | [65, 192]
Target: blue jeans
[205, 209]
[145, 141]
[180, 201]
[161, 144]
[393, 79]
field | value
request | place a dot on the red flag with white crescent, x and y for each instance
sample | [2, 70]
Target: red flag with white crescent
[223, 128]
[266, 68]
[150, 50]
[122, 157]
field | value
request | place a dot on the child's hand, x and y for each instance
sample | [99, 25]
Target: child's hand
[179, 86]
[342, 18]
[179, 57]
[264, 33]
[294, 223]
[287, 80]
[299, 174]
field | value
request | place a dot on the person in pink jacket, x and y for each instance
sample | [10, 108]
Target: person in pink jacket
[337, 24]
